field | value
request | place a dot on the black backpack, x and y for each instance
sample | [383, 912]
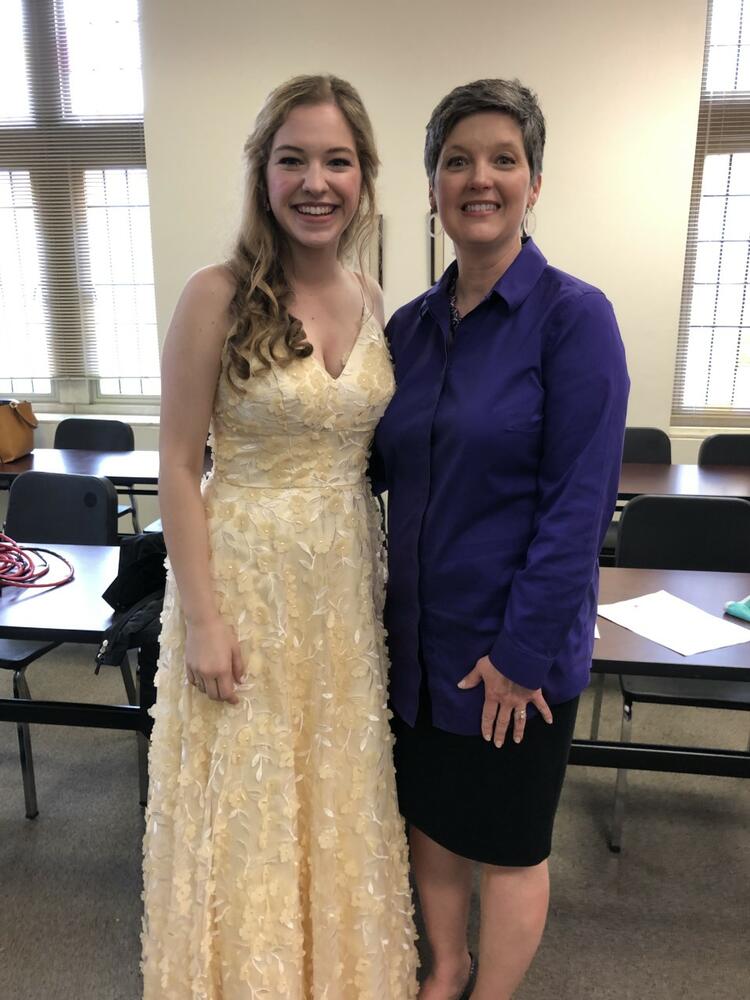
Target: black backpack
[137, 595]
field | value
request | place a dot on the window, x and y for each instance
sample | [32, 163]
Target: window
[712, 380]
[77, 314]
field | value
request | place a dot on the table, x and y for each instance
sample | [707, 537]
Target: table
[76, 612]
[134, 472]
[622, 651]
[684, 480]
[121, 467]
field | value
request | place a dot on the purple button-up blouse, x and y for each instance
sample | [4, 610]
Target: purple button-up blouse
[501, 453]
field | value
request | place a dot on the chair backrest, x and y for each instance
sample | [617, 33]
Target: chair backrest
[94, 435]
[57, 508]
[703, 533]
[725, 449]
[647, 444]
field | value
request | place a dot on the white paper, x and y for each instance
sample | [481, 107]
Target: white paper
[674, 623]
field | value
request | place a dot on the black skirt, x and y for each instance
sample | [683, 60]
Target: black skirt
[488, 804]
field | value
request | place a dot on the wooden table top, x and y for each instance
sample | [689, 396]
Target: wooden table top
[621, 651]
[120, 467]
[75, 612]
[684, 480]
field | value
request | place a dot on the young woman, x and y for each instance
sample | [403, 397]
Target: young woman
[275, 859]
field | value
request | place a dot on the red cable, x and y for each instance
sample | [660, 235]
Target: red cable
[18, 569]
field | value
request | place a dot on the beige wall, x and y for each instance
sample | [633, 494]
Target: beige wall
[619, 84]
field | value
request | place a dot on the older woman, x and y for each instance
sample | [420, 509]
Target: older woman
[500, 451]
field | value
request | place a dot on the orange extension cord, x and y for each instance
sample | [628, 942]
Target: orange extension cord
[18, 567]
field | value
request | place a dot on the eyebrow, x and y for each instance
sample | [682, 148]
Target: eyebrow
[502, 144]
[299, 149]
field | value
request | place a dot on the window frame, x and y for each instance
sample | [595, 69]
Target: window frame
[732, 110]
[91, 140]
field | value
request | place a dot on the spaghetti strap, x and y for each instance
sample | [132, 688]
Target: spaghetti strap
[367, 304]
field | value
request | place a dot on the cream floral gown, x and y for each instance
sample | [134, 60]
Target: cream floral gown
[275, 860]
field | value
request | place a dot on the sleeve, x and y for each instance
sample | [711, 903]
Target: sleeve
[586, 391]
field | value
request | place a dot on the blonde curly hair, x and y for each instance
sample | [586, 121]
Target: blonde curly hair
[264, 332]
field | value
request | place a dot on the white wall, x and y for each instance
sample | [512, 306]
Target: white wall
[619, 84]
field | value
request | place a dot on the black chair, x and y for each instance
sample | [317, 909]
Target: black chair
[649, 445]
[725, 449]
[688, 533]
[100, 435]
[54, 509]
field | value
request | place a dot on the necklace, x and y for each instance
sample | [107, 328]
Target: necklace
[455, 317]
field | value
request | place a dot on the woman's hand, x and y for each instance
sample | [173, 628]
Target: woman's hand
[212, 660]
[501, 698]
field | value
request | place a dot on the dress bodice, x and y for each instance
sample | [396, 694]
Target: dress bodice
[297, 427]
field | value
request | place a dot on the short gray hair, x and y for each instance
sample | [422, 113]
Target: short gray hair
[508, 97]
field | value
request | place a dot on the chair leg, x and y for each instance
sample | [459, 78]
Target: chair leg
[621, 785]
[21, 690]
[127, 679]
[134, 505]
[598, 685]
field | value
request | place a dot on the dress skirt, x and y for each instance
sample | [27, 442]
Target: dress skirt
[489, 804]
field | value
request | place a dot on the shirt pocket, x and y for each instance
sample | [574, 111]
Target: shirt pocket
[521, 423]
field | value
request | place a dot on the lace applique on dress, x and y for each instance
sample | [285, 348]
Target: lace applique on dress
[275, 859]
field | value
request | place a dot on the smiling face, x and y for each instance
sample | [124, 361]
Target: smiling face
[313, 176]
[482, 184]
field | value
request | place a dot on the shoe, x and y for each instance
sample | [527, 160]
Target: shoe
[471, 981]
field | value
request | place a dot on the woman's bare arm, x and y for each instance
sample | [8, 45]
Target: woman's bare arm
[190, 370]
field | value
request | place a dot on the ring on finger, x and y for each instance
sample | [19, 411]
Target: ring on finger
[521, 713]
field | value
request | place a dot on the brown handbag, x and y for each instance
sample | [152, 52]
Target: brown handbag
[17, 423]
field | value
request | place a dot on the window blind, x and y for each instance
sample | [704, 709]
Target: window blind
[712, 372]
[76, 281]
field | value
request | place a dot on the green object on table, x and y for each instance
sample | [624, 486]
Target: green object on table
[740, 609]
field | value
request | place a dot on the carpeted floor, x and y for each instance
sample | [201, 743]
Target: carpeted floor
[666, 920]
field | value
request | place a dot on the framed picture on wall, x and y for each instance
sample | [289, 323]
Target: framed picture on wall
[441, 248]
[375, 258]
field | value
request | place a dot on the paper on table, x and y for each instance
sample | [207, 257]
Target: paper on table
[674, 623]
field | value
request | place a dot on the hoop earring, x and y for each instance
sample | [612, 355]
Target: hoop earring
[433, 221]
[529, 222]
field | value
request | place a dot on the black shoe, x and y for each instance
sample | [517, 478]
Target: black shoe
[471, 981]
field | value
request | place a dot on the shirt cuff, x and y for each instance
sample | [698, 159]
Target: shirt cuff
[522, 666]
